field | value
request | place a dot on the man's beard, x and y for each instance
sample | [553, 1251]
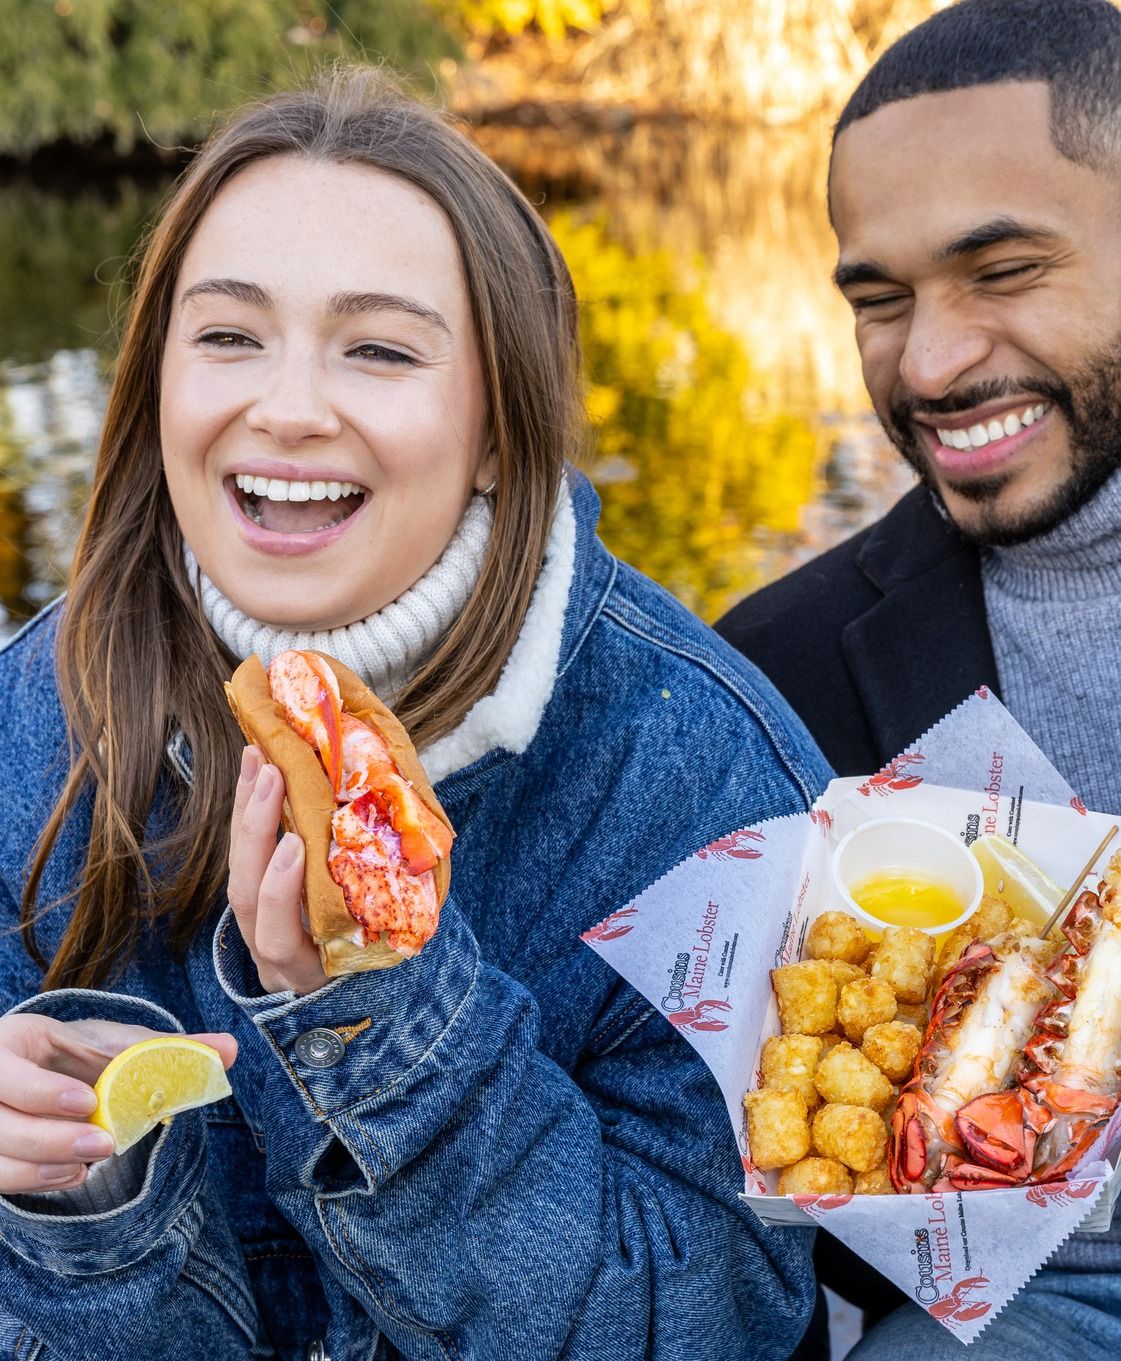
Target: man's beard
[1091, 406]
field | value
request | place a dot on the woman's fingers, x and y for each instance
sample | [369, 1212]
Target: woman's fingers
[285, 953]
[32, 1139]
[252, 844]
[251, 763]
[27, 1087]
[17, 1176]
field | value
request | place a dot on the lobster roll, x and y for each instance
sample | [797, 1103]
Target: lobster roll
[377, 841]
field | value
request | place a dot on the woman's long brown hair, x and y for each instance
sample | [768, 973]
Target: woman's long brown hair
[136, 660]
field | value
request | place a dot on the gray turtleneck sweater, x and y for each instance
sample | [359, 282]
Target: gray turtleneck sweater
[1054, 610]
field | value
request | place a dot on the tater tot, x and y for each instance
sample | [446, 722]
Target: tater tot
[874, 1182]
[846, 1076]
[853, 1135]
[789, 1063]
[828, 1040]
[815, 1177]
[904, 959]
[991, 918]
[807, 997]
[844, 973]
[892, 1047]
[837, 935]
[864, 1002]
[914, 1013]
[777, 1129]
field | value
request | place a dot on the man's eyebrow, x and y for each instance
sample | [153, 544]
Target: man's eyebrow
[253, 294]
[994, 233]
[860, 272]
[354, 304]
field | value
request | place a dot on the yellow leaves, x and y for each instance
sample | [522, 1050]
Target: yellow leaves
[553, 17]
[695, 471]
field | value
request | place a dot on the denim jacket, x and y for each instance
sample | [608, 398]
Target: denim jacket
[510, 1155]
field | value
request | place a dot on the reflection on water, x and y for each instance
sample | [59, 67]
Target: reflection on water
[731, 434]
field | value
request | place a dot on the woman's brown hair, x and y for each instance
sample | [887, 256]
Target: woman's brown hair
[136, 661]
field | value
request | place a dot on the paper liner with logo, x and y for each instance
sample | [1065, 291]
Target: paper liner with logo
[700, 942]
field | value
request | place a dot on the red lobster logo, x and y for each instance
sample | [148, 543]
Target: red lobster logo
[611, 928]
[822, 819]
[820, 1202]
[982, 692]
[734, 847]
[957, 1307]
[697, 1017]
[1060, 1192]
[1078, 806]
[892, 776]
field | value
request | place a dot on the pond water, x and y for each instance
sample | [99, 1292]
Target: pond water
[731, 436]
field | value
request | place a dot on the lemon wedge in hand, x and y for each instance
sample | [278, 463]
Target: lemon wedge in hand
[151, 1081]
[1010, 874]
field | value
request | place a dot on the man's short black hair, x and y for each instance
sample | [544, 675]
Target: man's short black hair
[1074, 46]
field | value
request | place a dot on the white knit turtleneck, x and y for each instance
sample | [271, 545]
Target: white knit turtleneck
[392, 643]
[387, 647]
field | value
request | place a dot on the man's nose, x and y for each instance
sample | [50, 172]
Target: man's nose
[293, 403]
[943, 345]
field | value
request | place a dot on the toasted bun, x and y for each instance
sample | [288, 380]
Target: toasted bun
[310, 803]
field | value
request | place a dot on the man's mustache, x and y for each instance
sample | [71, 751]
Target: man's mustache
[906, 409]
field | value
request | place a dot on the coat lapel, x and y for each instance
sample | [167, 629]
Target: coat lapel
[925, 646]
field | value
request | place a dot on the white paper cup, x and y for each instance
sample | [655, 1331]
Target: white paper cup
[907, 846]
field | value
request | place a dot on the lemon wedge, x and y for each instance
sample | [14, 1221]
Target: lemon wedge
[151, 1081]
[1010, 874]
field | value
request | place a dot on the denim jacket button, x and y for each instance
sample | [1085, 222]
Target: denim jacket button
[316, 1350]
[320, 1048]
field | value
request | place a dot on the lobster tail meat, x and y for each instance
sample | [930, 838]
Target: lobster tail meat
[981, 1017]
[1072, 1062]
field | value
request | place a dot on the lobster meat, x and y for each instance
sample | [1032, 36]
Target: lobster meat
[980, 1018]
[1020, 1067]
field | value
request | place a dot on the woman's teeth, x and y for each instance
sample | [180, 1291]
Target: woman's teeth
[977, 436]
[279, 489]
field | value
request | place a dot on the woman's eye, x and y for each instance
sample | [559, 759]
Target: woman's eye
[224, 340]
[382, 354]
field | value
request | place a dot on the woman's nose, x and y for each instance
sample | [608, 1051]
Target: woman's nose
[294, 403]
[943, 345]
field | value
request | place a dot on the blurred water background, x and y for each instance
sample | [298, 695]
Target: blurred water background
[677, 149]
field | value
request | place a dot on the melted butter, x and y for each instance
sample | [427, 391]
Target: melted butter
[900, 898]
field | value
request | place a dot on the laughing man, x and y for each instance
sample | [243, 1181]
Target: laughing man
[975, 192]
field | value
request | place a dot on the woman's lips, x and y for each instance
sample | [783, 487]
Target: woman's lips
[957, 464]
[280, 533]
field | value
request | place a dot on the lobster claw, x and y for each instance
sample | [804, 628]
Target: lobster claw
[1000, 1129]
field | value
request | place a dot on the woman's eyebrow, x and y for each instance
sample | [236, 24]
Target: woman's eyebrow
[253, 294]
[339, 305]
[354, 304]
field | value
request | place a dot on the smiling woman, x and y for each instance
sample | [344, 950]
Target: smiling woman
[340, 420]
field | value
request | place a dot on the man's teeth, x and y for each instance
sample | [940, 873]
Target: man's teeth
[278, 489]
[977, 436]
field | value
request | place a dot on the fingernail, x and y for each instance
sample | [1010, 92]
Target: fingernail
[51, 1172]
[97, 1145]
[264, 782]
[77, 1101]
[284, 857]
[250, 764]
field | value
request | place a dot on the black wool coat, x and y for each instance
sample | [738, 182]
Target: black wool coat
[874, 641]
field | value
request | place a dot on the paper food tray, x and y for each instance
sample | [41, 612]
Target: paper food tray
[700, 943]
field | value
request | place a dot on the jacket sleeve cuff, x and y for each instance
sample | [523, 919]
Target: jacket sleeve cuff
[78, 1234]
[388, 1020]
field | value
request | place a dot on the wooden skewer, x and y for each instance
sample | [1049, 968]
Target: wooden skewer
[1068, 896]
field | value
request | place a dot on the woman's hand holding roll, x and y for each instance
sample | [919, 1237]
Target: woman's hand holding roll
[266, 880]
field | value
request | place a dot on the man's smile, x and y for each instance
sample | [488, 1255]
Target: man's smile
[980, 442]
